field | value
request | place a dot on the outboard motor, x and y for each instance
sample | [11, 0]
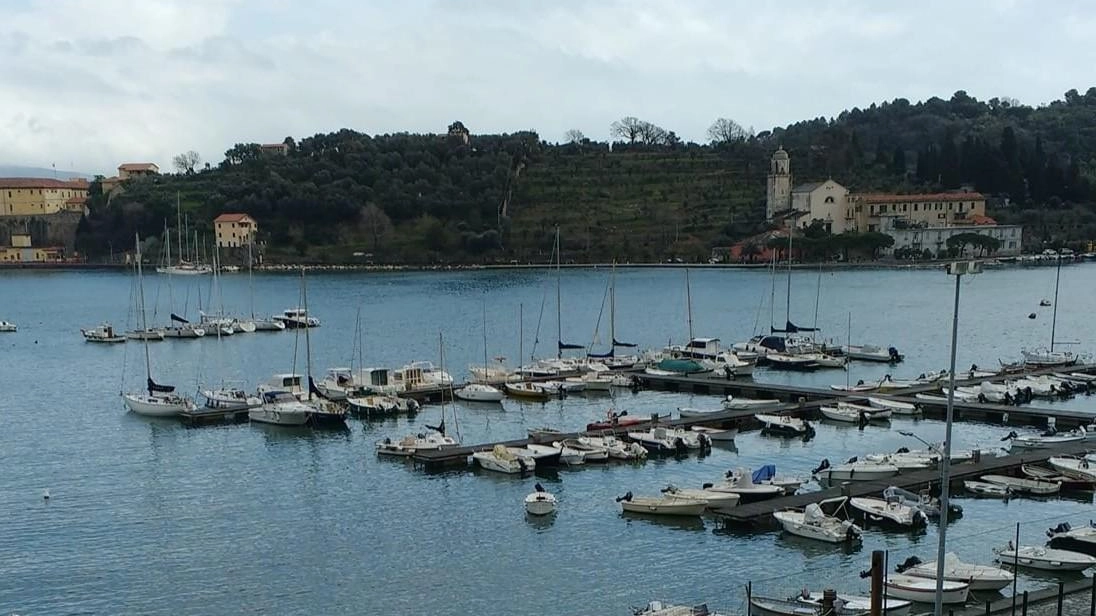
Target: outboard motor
[705, 442]
[523, 466]
[1011, 435]
[894, 355]
[982, 398]
[821, 466]
[627, 497]
[851, 460]
[1064, 527]
[1050, 431]
[679, 447]
[538, 487]
[912, 561]
[902, 450]
[1008, 399]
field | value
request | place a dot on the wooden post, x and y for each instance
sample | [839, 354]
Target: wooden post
[1061, 595]
[1023, 610]
[829, 598]
[1092, 599]
[988, 608]
[877, 572]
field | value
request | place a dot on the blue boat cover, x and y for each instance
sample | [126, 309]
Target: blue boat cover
[764, 473]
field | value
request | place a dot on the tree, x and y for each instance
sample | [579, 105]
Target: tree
[628, 129]
[375, 222]
[726, 130]
[186, 162]
[574, 136]
[242, 152]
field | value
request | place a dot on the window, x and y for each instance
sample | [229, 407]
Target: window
[904, 206]
[915, 207]
[882, 209]
[829, 199]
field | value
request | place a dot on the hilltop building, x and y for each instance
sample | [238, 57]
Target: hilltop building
[235, 230]
[917, 221]
[136, 170]
[274, 149]
[39, 216]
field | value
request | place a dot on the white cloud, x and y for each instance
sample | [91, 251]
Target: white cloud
[115, 80]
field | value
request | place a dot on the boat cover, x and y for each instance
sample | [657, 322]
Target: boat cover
[791, 328]
[153, 387]
[680, 365]
[813, 514]
[178, 319]
[764, 473]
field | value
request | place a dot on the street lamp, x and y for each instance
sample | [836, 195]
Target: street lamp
[957, 269]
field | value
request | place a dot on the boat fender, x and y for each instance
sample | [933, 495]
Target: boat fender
[627, 497]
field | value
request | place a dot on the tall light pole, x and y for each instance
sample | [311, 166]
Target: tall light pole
[957, 269]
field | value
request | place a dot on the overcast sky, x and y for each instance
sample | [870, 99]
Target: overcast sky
[87, 84]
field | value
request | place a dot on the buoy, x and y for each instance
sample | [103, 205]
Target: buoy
[1031, 316]
[45, 494]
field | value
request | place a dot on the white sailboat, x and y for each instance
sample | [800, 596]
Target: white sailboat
[611, 359]
[323, 413]
[261, 324]
[180, 327]
[183, 267]
[159, 400]
[480, 392]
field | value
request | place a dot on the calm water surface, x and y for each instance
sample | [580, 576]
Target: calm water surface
[151, 517]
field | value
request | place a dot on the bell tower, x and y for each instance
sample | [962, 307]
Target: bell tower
[779, 195]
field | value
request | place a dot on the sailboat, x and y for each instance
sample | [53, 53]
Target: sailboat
[435, 438]
[610, 358]
[560, 345]
[184, 267]
[265, 324]
[1048, 357]
[160, 400]
[323, 413]
[144, 332]
[184, 328]
[226, 324]
[480, 392]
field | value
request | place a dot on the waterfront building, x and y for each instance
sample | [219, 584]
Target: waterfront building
[235, 230]
[21, 251]
[37, 196]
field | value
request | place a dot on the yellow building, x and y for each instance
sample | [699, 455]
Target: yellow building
[34, 196]
[931, 210]
[21, 251]
[136, 170]
[235, 230]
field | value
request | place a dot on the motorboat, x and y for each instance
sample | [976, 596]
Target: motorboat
[717, 435]
[858, 605]
[1042, 473]
[766, 475]
[980, 577]
[732, 403]
[904, 461]
[338, 383]
[617, 449]
[409, 445]
[688, 412]
[622, 381]
[280, 408]
[103, 333]
[1045, 358]
[568, 456]
[1044, 559]
[295, 318]
[852, 414]
[229, 399]
[421, 375]
[502, 459]
[787, 361]
[558, 389]
[662, 505]
[268, 325]
[592, 450]
[658, 608]
[785, 425]
[1047, 439]
[923, 590]
[478, 392]
[544, 435]
[923, 501]
[891, 511]
[985, 488]
[540, 502]
[1065, 537]
[767, 606]
[547, 455]
[696, 348]
[380, 404]
[870, 352]
[740, 482]
[1070, 466]
[854, 470]
[526, 391]
[715, 500]
[813, 523]
[620, 419]
[284, 382]
[895, 406]
[7, 326]
[872, 413]
[1021, 485]
[734, 365]
[859, 387]
[668, 440]
[493, 374]
[824, 360]
[592, 381]
[149, 334]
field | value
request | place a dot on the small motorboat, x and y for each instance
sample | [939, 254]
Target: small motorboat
[689, 413]
[104, 333]
[547, 455]
[891, 512]
[923, 590]
[7, 326]
[1070, 466]
[766, 475]
[1065, 537]
[870, 352]
[788, 361]
[1047, 474]
[544, 435]
[567, 456]
[980, 577]
[592, 450]
[668, 440]
[1020, 485]
[854, 413]
[151, 334]
[658, 608]
[740, 482]
[923, 501]
[622, 380]
[621, 419]
[618, 449]
[766, 606]
[905, 461]
[540, 502]
[558, 389]
[732, 403]
[853, 604]
[1044, 559]
[228, 399]
[526, 391]
[1046, 439]
[985, 488]
[280, 408]
[859, 387]
[854, 470]
[662, 505]
[507, 460]
[410, 445]
[823, 360]
[784, 425]
[717, 435]
[478, 392]
[715, 500]
[813, 523]
[380, 404]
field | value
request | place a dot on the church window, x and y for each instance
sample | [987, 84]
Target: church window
[829, 199]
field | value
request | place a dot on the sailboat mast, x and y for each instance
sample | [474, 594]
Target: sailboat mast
[1054, 318]
[521, 336]
[484, 341]
[307, 337]
[178, 226]
[559, 310]
[144, 319]
[612, 308]
[251, 282]
[788, 306]
[689, 303]
[168, 266]
[772, 292]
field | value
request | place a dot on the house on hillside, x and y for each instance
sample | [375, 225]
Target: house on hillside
[274, 149]
[128, 171]
[235, 230]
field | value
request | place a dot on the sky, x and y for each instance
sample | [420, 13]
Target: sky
[88, 84]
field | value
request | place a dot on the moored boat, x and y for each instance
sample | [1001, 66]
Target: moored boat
[1020, 485]
[923, 590]
[1065, 537]
[540, 502]
[1078, 468]
[985, 488]
[980, 577]
[526, 391]
[891, 512]
[897, 407]
[813, 523]
[478, 392]
[1043, 559]
[854, 470]
[857, 605]
[502, 459]
[784, 425]
[717, 435]
[280, 408]
[732, 403]
[662, 505]
[7, 326]
[103, 333]
[715, 500]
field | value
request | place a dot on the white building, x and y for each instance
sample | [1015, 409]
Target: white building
[826, 202]
[921, 237]
[779, 197]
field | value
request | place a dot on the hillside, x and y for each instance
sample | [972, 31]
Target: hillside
[466, 198]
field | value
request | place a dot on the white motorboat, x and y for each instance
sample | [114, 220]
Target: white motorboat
[891, 511]
[622, 380]
[1077, 468]
[618, 449]
[859, 387]
[526, 391]
[872, 413]
[788, 361]
[1044, 559]
[870, 352]
[592, 381]
[658, 608]
[850, 413]
[856, 470]
[662, 505]
[559, 388]
[923, 590]
[7, 326]
[1021, 485]
[824, 360]
[280, 408]
[715, 500]
[294, 318]
[897, 407]
[284, 382]
[103, 333]
[907, 461]
[150, 334]
[980, 577]
[734, 364]
[1045, 358]
[411, 444]
[540, 502]
[923, 501]
[813, 523]
[544, 435]
[380, 404]
[243, 326]
[688, 412]
[549, 455]
[592, 449]
[421, 375]
[740, 482]
[493, 374]
[767, 606]
[766, 475]
[732, 403]
[1065, 537]
[784, 425]
[668, 440]
[1048, 438]
[502, 459]
[717, 435]
[984, 488]
[229, 399]
[268, 325]
[1047, 474]
[853, 604]
[478, 392]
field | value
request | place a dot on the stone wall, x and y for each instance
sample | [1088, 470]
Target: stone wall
[46, 230]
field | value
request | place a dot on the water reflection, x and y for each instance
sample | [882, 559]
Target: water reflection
[692, 523]
[812, 548]
[540, 522]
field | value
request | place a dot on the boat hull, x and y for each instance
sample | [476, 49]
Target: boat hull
[278, 417]
[656, 507]
[921, 590]
[540, 503]
[154, 406]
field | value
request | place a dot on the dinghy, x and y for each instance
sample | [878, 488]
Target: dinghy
[540, 502]
[614, 419]
[732, 403]
[784, 425]
[717, 435]
[1070, 466]
[1019, 485]
[985, 488]
[1065, 537]
[870, 352]
[1046, 474]
[664, 505]
[891, 512]
[980, 577]
[854, 470]
[813, 523]
[544, 435]
[898, 408]
[715, 500]
[854, 413]
[1043, 559]
[922, 590]
[688, 413]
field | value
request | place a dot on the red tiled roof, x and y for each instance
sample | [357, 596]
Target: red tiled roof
[138, 166]
[78, 184]
[981, 220]
[953, 196]
[233, 218]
